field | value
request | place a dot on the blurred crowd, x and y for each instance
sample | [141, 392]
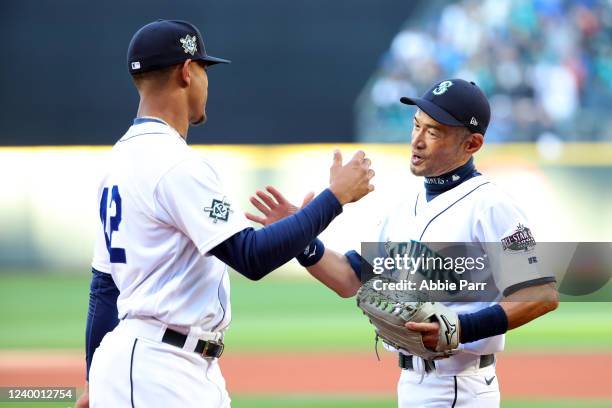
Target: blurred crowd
[546, 66]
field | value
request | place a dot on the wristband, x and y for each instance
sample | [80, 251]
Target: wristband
[311, 254]
[488, 322]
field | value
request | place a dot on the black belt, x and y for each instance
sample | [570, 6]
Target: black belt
[205, 348]
[405, 362]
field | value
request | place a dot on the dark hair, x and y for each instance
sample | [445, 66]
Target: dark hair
[160, 76]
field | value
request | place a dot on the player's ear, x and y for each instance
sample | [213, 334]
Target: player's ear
[474, 142]
[185, 72]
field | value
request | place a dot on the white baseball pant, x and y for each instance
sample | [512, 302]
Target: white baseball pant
[476, 388]
[130, 370]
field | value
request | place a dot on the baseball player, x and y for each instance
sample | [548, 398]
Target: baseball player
[456, 204]
[159, 299]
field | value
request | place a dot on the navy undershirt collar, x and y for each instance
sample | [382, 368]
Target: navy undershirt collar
[146, 119]
[435, 186]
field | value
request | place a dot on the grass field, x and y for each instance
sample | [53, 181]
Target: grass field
[339, 402]
[49, 311]
[308, 402]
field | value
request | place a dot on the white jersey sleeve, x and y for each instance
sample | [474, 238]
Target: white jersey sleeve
[191, 197]
[510, 246]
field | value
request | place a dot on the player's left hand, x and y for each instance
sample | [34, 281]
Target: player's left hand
[273, 206]
[429, 332]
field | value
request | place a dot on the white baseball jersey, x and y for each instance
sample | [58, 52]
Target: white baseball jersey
[475, 211]
[162, 208]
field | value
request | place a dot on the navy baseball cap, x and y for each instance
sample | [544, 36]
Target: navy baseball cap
[163, 43]
[455, 102]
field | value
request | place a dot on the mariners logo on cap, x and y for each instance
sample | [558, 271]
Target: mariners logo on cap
[189, 44]
[443, 87]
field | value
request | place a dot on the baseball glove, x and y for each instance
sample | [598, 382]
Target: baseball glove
[390, 310]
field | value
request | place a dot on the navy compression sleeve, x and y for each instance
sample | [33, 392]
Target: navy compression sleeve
[254, 254]
[102, 313]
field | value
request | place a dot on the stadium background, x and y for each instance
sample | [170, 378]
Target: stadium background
[313, 72]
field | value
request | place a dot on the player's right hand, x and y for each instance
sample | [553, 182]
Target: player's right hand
[350, 182]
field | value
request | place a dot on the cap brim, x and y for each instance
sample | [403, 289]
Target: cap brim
[438, 114]
[214, 60]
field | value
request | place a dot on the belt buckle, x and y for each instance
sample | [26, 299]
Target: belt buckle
[221, 348]
[207, 345]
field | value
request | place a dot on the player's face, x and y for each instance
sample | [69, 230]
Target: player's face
[198, 94]
[436, 148]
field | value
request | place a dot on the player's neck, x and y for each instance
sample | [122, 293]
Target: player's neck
[435, 186]
[167, 112]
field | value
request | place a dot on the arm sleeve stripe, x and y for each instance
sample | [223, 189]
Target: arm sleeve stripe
[526, 284]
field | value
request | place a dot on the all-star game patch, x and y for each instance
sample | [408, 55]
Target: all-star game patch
[219, 210]
[520, 240]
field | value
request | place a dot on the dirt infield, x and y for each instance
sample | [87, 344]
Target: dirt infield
[521, 375]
